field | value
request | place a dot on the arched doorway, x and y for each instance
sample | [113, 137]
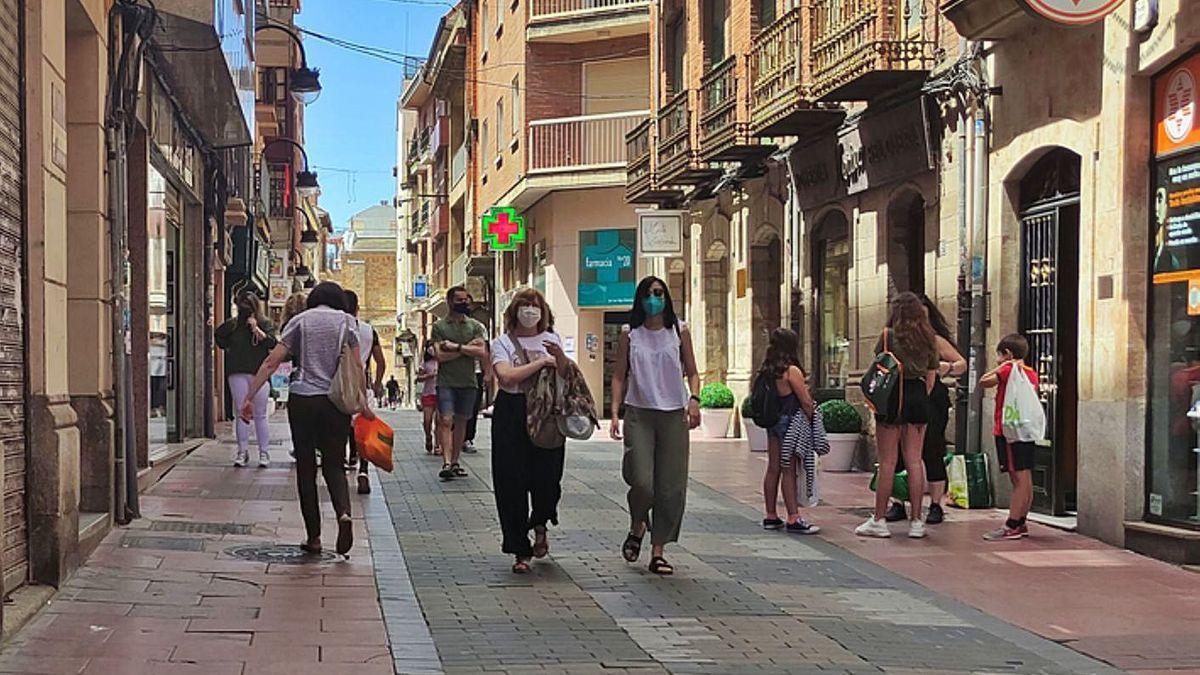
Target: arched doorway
[766, 278]
[1048, 317]
[831, 281]
[716, 311]
[677, 284]
[906, 244]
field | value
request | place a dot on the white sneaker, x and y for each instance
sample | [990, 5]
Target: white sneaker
[916, 529]
[264, 460]
[873, 528]
[240, 458]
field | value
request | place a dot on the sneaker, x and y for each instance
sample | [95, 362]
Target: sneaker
[264, 460]
[873, 528]
[936, 514]
[896, 513]
[916, 529]
[802, 526]
[241, 458]
[1006, 532]
[364, 484]
[772, 524]
[469, 448]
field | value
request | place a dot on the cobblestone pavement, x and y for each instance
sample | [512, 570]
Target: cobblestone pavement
[742, 600]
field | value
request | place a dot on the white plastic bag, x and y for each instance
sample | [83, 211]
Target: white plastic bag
[1023, 419]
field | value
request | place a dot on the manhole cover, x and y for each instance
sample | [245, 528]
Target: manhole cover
[195, 527]
[281, 554]
[164, 543]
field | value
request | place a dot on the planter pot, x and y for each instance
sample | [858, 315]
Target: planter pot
[756, 435]
[715, 421]
[842, 448]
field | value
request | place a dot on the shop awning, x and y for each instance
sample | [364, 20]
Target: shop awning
[188, 53]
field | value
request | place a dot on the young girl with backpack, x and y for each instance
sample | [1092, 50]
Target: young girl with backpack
[780, 376]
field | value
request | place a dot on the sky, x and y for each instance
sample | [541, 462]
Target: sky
[349, 131]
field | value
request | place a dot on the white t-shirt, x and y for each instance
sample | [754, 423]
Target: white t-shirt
[366, 341]
[504, 351]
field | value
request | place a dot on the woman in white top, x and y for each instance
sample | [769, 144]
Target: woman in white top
[523, 473]
[427, 378]
[654, 357]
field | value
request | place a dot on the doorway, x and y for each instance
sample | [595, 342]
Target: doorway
[162, 277]
[906, 244]
[766, 280]
[613, 321]
[1047, 317]
[716, 310]
[831, 280]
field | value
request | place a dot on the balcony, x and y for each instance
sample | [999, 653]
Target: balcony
[584, 143]
[724, 118]
[677, 160]
[571, 21]
[986, 19]
[458, 165]
[779, 101]
[640, 185]
[865, 48]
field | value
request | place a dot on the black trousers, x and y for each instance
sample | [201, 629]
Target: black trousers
[473, 423]
[522, 473]
[317, 424]
[933, 454]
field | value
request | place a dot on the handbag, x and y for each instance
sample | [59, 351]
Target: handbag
[374, 439]
[882, 379]
[348, 389]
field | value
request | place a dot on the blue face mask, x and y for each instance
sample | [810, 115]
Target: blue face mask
[654, 305]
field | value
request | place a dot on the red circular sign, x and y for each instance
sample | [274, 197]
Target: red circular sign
[1074, 12]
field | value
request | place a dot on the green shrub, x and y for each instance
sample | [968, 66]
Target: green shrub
[716, 395]
[840, 417]
[747, 409]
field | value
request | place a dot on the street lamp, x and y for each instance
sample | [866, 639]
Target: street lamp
[305, 83]
[306, 181]
[310, 240]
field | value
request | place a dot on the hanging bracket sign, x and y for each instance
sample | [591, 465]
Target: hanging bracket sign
[503, 229]
[1073, 12]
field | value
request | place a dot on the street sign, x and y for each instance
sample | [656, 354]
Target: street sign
[660, 232]
[502, 228]
[420, 286]
[1073, 12]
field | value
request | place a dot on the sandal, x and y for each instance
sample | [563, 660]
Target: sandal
[459, 472]
[632, 548]
[521, 566]
[541, 547]
[660, 566]
[446, 473]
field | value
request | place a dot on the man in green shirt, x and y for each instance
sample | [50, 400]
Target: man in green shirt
[459, 342]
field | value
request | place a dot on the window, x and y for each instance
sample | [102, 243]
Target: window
[516, 106]
[500, 122]
[767, 13]
[499, 4]
[483, 142]
[483, 12]
[677, 54]
[716, 18]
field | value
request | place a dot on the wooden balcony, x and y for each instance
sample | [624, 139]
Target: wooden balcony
[780, 102]
[725, 117]
[863, 48]
[678, 161]
[640, 185]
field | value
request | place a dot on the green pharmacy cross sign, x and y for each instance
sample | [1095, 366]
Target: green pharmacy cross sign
[503, 229]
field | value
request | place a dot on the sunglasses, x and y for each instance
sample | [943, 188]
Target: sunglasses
[658, 292]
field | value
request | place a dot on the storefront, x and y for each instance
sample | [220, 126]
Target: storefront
[1174, 327]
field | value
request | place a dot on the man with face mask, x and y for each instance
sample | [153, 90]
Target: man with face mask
[459, 342]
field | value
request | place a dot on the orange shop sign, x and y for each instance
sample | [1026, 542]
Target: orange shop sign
[1175, 110]
[1073, 12]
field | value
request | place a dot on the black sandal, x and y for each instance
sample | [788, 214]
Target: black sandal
[446, 473]
[459, 472]
[632, 549]
[660, 566]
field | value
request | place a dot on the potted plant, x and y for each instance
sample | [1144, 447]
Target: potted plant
[716, 409]
[754, 433]
[843, 425]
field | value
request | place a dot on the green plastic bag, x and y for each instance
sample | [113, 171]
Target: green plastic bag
[970, 485]
[899, 484]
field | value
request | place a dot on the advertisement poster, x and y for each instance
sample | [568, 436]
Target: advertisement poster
[607, 272]
[280, 289]
[1176, 242]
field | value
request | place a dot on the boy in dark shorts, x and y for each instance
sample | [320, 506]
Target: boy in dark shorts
[1016, 458]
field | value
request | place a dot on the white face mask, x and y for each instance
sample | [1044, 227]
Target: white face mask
[529, 316]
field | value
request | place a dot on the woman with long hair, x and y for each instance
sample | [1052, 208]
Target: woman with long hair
[781, 367]
[315, 337]
[247, 339]
[292, 306]
[522, 473]
[427, 378]
[933, 455]
[900, 428]
[654, 358]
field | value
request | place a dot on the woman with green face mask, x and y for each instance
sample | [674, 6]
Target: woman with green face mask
[654, 358]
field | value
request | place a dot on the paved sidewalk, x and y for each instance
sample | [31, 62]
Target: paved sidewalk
[169, 593]
[742, 600]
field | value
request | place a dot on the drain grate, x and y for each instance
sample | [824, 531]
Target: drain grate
[196, 527]
[280, 554]
[163, 543]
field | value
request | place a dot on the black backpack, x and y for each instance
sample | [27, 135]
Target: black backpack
[764, 401]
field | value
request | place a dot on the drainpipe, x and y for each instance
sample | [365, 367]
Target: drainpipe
[978, 273]
[964, 280]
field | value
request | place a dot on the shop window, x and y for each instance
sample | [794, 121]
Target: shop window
[831, 266]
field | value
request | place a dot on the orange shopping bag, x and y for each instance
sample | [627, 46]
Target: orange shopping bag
[374, 440]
